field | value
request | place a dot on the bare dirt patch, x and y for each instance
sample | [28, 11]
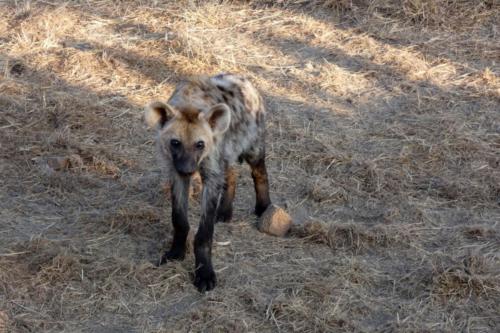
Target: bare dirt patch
[384, 145]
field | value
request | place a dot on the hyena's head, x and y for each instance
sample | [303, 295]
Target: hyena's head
[187, 135]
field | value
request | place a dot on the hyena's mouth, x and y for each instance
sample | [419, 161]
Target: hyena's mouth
[185, 167]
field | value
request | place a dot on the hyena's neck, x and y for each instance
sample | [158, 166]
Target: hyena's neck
[212, 163]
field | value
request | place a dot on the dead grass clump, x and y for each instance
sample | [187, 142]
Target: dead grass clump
[457, 282]
[105, 167]
[42, 268]
[320, 190]
[351, 237]
[102, 164]
[447, 278]
[450, 14]
[58, 163]
[11, 276]
[132, 220]
[62, 267]
[341, 176]
[313, 231]
[214, 320]
[358, 238]
[37, 252]
[197, 46]
[470, 276]
[480, 232]
[365, 174]
[281, 310]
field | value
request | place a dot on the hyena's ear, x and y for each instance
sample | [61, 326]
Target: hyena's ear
[158, 114]
[219, 118]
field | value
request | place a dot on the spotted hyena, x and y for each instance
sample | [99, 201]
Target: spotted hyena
[207, 125]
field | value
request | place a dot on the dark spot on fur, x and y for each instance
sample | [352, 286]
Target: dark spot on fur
[221, 88]
[225, 91]
[239, 93]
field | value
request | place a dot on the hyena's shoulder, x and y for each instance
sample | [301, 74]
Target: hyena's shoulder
[234, 90]
[239, 88]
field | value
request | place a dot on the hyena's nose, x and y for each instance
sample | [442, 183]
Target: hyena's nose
[185, 167]
[185, 173]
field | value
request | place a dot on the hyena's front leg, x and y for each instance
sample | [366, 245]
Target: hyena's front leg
[225, 210]
[204, 275]
[261, 183]
[180, 195]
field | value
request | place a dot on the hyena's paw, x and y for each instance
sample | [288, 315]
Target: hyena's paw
[204, 279]
[173, 254]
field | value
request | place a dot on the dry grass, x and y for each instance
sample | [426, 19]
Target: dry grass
[384, 143]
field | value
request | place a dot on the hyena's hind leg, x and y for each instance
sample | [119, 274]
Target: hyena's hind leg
[225, 209]
[260, 180]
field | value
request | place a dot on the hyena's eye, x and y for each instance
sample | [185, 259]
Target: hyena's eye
[175, 143]
[200, 145]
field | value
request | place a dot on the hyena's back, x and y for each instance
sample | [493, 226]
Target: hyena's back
[247, 128]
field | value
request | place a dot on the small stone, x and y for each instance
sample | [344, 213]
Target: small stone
[275, 221]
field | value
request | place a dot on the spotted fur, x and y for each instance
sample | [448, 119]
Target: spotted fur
[225, 115]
